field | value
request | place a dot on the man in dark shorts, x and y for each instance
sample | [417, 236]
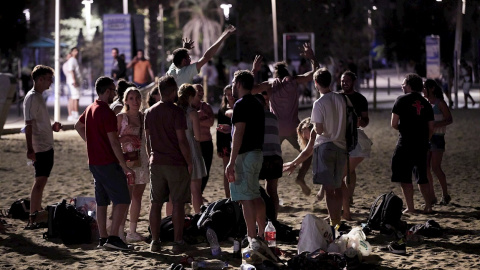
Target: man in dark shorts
[170, 162]
[98, 128]
[412, 116]
[246, 157]
[38, 133]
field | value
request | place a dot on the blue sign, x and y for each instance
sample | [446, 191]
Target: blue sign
[432, 51]
[117, 33]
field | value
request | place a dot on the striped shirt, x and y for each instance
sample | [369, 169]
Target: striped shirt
[271, 141]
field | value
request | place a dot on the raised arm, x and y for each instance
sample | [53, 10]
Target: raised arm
[264, 86]
[307, 52]
[208, 55]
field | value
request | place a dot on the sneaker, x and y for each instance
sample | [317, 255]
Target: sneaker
[101, 242]
[396, 247]
[155, 246]
[114, 242]
[134, 237]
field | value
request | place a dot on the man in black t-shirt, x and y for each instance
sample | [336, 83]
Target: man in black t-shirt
[246, 157]
[412, 116]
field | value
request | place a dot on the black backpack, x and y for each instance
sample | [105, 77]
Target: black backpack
[225, 217]
[20, 209]
[385, 213]
[351, 134]
[71, 225]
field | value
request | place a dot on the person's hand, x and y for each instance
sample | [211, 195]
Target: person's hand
[289, 167]
[230, 172]
[230, 29]
[57, 126]
[127, 170]
[188, 43]
[224, 128]
[31, 154]
[306, 51]
[257, 63]
[190, 168]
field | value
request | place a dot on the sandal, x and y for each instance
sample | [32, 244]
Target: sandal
[445, 200]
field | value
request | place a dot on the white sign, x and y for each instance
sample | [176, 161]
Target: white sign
[432, 48]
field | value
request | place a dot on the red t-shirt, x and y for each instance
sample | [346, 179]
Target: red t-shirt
[162, 120]
[99, 120]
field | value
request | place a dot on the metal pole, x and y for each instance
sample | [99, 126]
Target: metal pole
[125, 7]
[388, 87]
[374, 90]
[275, 36]
[56, 114]
[458, 47]
[162, 40]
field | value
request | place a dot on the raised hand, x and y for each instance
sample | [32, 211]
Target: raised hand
[230, 29]
[257, 63]
[188, 43]
[306, 51]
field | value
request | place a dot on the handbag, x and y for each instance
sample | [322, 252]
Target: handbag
[132, 159]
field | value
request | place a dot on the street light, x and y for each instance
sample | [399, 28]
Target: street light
[226, 10]
[88, 16]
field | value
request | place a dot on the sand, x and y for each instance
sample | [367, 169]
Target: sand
[457, 249]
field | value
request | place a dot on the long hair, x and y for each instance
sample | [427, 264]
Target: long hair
[304, 124]
[125, 97]
[151, 99]
[185, 91]
[224, 105]
[437, 90]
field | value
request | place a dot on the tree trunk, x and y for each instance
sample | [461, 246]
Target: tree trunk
[153, 9]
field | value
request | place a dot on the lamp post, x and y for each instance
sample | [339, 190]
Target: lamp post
[125, 7]
[88, 17]
[275, 36]
[56, 113]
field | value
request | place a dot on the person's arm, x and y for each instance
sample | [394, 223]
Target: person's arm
[394, 121]
[206, 116]
[187, 43]
[263, 86]
[364, 119]
[208, 55]
[117, 150]
[304, 155]
[447, 116]
[150, 71]
[236, 144]
[28, 138]
[80, 128]
[430, 129]
[74, 79]
[133, 62]
[184, 148]
[148, 146]
[307, 52]
[196, 124]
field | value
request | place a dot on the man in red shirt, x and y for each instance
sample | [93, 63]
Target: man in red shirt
[98, 128]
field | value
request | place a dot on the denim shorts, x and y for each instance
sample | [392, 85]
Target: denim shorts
[110, 184]
[437, 143]
[247, 169]
[328, 165]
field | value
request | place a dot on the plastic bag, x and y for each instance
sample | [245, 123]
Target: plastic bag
[315, 233]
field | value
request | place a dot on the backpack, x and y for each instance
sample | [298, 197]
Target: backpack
[190, 230]
[351, 133]
[20, 209]
[225, 217]
[385, 213]
[71, 225]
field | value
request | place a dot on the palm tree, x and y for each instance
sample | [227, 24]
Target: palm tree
[205, 22]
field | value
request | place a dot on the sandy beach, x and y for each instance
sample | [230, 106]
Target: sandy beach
[457, 249]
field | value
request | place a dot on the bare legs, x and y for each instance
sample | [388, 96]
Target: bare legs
[254, 214]
[334, 204]
[272, 186]
[37, 193]
[226, 186]
[178, 219]
[136, 205]
[301, 176]
[407, 190]
[196, 190]
[349, 188]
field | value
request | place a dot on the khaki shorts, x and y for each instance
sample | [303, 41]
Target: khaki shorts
[169, 181]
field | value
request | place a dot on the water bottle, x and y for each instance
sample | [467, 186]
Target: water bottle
[247, 266]
[213, 241]
[236, 249]
[271, 235]
[209, 265]
[130, 179]
[30, 162]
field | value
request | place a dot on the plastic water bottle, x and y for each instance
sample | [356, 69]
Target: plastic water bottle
[209, 265]
[29, 162]
[236, 249]
[213, 241]
[247, 266]
[271, 235]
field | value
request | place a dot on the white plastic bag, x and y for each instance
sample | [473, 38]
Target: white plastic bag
[315, 233]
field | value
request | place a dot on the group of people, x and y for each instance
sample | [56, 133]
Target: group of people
[169, 144]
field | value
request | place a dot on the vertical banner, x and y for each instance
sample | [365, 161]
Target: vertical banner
[432, 48]
[117, 33]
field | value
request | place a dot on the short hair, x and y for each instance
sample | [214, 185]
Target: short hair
[244, 78]
[41, 70]
[129, 90]
[280, 70]
[167, 85]
[352, 75]
[122, 85]
[415, 82]
[74, 48]
[102, 84]
[185, 91]
[115, 49]
[179, 55]
[323, 77]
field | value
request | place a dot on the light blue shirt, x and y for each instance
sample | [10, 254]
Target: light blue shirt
[184, 74]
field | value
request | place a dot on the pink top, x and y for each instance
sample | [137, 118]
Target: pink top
[284, 104]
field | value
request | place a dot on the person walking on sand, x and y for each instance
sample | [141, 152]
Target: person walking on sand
[246, 158]
[443, 118]
[38, 133]
[98, 128]
[170, 162]
[412, 116]
[74, 80]
[329, 145]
